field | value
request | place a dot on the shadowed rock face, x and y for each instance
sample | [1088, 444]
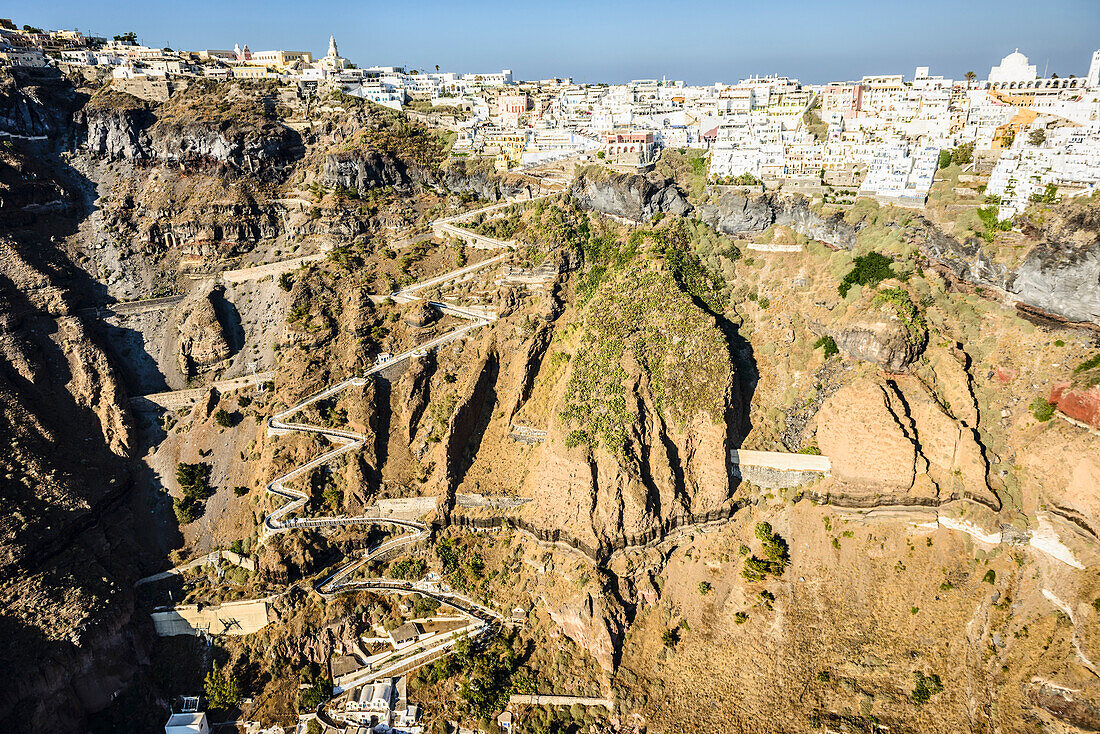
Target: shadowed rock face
[631, 196]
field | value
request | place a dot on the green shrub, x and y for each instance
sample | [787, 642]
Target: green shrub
[870, 270]
[670, 637]
[741, 617]
[776, 555]
[964, 154]
[409, 569]
[945, 159]
[222, 689]
[704, 587]
[990, 577]
[1042, 409]
[1089, 364]
[925, 686]
[829, 345]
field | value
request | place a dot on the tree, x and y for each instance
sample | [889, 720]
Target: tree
[437, 68]
[128, 37]
[222, 689]
[964, 154]
[225, 419]
[945, 159]
[1037, 136]
[313, 727]
[970, 77]
[192, 480]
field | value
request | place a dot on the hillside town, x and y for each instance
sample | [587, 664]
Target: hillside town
[996, 141]
[879, 136]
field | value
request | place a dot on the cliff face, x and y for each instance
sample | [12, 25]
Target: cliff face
[68, 557]
[38, 103]
[639, 439]
[631, 196]
[67, 554]
[193, 130]
[117, 132]
[1061, 280]
[1060, 276]
[738, 214]
[365, 169]
[368, 169]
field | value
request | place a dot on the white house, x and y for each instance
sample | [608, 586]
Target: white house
[187, 723]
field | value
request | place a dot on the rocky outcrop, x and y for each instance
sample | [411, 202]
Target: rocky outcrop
[415, 393]
[37, 103]
[467, 423]
[891, 443]
[265, 153]
[1081, 404]
[595, 622]
[1062, 280]
[631, 196]
[1059, 277]
[117, 132]
[196, 129]
[201, 341]
[363, 170]
[1063, 462]
[634, 449]
[735, 213]
[420, 315]
[877, 333]
[67, 550]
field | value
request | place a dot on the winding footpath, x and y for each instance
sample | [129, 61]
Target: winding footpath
[483, 621]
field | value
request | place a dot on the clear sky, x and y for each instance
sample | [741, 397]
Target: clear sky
[699, 41]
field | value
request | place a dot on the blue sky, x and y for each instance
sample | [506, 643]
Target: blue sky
[700, 41]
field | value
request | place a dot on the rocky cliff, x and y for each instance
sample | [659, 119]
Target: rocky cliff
[735, 213]
[200, 128]
[1059, 276]
[631, 196]
[639, 439]
[68, 557]
[67, 554]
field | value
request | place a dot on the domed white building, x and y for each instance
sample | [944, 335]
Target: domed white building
[1013, 68]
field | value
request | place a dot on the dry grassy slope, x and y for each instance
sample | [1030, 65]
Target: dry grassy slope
[868, 614]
